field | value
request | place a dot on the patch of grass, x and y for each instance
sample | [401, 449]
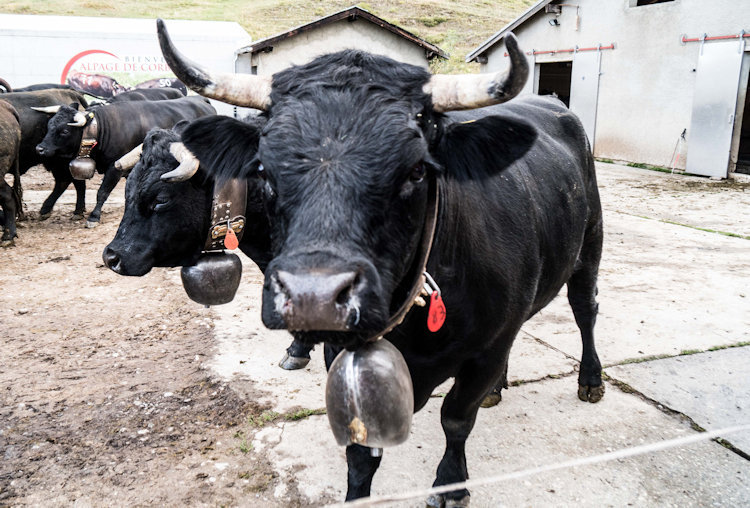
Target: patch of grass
[433, 21]
[707, 230]
[650, 167]
[729, 346]
[688, 352]
[244, 446]
[606, 161]
[303, 413]
[263, 418]
[649, 358]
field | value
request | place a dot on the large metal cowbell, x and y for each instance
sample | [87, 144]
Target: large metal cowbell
[714, 108]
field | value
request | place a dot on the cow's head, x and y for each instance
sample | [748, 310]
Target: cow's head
[167, 206]
[64, 131]
[351, 144]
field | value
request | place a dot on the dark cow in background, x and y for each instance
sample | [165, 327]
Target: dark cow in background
[42, 86]
[147, 94]
[166, 223]
[10, 144]
[121, 127]
[354, 149]
[163, 83]
[98, 85]
[33, 128]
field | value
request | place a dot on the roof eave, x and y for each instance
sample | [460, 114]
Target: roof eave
[497, 36]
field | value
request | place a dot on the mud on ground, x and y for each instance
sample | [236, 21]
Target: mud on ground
[104, 396]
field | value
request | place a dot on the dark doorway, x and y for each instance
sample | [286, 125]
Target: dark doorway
[743, 154]
[554, 78]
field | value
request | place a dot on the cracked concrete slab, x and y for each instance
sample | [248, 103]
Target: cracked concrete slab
[712, 388]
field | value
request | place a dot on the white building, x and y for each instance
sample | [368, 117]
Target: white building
[640, 73]
[352, 28]
[47, 49]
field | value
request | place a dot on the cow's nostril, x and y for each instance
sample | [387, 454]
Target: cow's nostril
[111, 259]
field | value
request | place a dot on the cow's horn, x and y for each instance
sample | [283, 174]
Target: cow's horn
[467, 91]
[5, 85]
[79, 120]
[130, 159]
[50, 110]
[239, 89]
[188, 164]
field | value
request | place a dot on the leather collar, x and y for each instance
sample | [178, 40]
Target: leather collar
[419, 267]
[90, 136]
[228, 207]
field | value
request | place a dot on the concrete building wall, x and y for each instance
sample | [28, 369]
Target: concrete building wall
[646, 84]
[305, 46]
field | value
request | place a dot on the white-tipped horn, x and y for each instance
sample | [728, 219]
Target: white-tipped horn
[188, 164]
[130, 159]
[50, 110]
[468, 91]
[79, 120]
[246, 90]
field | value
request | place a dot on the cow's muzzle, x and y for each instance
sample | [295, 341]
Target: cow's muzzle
[336, 297]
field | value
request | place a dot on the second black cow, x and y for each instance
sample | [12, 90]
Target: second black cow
[114, 130]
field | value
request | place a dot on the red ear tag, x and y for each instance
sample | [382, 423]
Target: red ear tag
[436, 314]
[230, 241]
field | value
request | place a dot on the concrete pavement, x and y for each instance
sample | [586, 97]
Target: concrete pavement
[667, 288]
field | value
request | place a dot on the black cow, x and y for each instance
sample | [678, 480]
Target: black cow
[355, 147]
[121, 127]
[146, 94]
[42, 86]
[33, 128]
[10, 198]
[166, 224]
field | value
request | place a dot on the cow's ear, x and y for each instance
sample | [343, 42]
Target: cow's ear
[224, 146]
[480, 148]
[74, 105]
[179, 127]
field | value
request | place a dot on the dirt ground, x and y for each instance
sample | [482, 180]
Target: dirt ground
[105, 393]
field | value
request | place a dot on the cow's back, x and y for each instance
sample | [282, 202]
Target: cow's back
[516, 235]
[123, 126]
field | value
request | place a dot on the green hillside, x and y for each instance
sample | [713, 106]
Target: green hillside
[456, 26]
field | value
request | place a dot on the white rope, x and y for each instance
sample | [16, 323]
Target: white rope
[584, 461]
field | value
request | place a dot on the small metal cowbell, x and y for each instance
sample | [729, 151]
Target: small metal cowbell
[369, 396]
[82, 168]
[214, 279]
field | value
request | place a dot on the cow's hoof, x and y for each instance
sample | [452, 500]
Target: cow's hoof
[493, 399]
[438, 501]
[591, 393]
[7, 243]
[293, 362]
[45, 216]
[92, 223]
[76, 216]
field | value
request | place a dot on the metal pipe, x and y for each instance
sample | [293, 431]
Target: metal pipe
[714, 38]
[571, 50]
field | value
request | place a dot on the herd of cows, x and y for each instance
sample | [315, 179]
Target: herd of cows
[362, 175]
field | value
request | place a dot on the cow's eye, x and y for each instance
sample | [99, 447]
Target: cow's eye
[261, 171]
[66, 132]
[160, 204]
[418, 173]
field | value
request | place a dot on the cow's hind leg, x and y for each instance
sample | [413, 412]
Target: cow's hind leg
[8, 204]
[582, 293]
[111, 177]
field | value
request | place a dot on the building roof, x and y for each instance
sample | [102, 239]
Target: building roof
[507, 28]
[351, 14]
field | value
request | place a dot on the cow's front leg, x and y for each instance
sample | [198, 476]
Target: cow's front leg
[457, 416]
[111, 177]
[297, 356]
[362, 464]
[60, 186]
[80, 187]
